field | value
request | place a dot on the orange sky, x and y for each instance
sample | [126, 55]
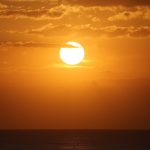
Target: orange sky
[108, 90]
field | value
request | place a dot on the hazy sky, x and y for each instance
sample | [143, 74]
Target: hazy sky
[109, 89]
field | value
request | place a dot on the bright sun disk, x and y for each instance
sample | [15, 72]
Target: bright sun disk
[73, 55]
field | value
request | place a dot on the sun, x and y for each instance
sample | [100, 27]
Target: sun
[72, 55]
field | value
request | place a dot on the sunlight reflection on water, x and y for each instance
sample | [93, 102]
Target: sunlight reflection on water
[75, 144]
[74, 140]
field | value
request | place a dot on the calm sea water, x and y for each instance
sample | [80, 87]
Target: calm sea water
[74, 140]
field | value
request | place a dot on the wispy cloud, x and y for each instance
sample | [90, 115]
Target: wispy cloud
[88, 18]
[88, 30]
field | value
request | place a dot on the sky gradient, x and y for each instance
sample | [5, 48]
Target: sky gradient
[110, 89]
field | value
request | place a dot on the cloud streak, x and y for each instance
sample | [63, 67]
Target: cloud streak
[88, 30]
[28, 44]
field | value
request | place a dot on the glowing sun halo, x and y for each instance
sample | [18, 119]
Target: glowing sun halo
[73, 55]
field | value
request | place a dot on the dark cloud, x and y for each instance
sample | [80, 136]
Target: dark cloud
[28, 44]
[34, 13]
[109, 2]
[50, 3]
[29, 3]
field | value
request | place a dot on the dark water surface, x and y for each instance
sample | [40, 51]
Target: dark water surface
[74, 140]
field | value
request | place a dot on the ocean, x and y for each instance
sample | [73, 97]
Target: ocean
[75, 140]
